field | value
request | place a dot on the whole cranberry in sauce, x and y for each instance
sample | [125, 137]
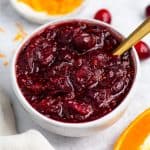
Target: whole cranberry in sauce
[67, 72]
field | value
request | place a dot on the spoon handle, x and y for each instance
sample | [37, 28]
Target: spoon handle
[138, 34]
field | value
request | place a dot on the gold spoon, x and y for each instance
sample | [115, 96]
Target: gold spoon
[133, 38]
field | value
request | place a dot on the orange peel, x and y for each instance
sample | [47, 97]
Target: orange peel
[137, 134]
[2, 30]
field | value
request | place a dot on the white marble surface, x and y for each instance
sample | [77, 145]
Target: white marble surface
[127, 14]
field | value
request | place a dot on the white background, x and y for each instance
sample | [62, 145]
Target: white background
[127, 14]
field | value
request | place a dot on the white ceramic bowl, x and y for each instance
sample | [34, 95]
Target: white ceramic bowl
[42, 17]
[72, 129]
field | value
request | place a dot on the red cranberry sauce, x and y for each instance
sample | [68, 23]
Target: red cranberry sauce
[67, 73]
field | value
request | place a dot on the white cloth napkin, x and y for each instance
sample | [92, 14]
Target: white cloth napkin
[9, 139]
[7, 121]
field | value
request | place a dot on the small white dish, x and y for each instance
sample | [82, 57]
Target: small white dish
[42, 17]
[72, 129]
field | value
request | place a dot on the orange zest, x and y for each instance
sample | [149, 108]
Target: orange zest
[2, 30]
[53, 7]
[5, 63]
[2, 55]
[137, 135]
[21, 33]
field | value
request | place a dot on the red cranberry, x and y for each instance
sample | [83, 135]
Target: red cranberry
[81, 108]
[44, 104]
[64, 36]
[83, 74]
[84, 41]
[46, 56]
[117, 87]
[103, 15]
[143, 50]
[99, 60]
[60, 84]
[147, 12]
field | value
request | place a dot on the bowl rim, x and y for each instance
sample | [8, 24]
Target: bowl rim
[42, 17]
[89, 124]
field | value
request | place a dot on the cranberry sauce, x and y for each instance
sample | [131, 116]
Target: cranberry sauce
[67, 72]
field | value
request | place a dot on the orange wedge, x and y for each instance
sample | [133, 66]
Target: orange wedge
[137, 135]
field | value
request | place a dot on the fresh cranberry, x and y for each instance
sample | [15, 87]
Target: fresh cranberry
[147, 11]
[67, 73]
[143, 50]
[103, 15]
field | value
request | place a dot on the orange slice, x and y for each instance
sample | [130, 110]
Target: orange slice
[137, 135]
[53, 7]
